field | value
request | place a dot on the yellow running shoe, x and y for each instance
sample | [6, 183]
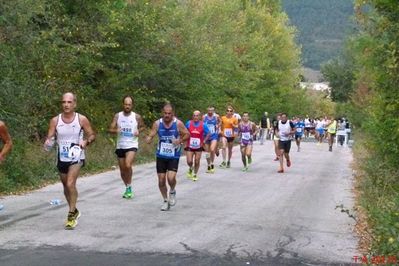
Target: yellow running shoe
[72, 220]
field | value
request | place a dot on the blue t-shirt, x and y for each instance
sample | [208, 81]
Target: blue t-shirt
[299, 127]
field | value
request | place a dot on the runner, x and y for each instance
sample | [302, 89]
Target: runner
[276, 136]
[7, 142]
[299, 129]
[228, 126]
[331, 131]
[264, 125]
[127, 124]
[286, 130]
[212, 121]
[320, 124]
[198, 135]
[246, 131]
[308, 126]
[69, 128]
[171, 134]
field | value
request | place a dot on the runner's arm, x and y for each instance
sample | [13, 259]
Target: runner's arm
[113, 128]
[140, 124]
[207, 134]
[88, 130]
[153, 132]
[6, 138]
[184, 134]
[51, 131]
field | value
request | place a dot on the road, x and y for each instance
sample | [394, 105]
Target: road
[228, 218]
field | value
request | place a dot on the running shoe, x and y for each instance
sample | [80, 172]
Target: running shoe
[288, 163]
[212, 168]
[228, 164]
[244, 169]
[172, 198]
[222, 165]
[277, 159]
[280, 171]
[209, 171]
[128, 193]
[190, 173]
[195, 177]
[72, 220]
[165, 206]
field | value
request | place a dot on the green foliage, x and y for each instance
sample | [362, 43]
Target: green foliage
[339, 72]
[374, 111]
[322, 27]
[191, 53]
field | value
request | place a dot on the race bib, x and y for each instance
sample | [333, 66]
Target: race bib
[246, 135]
[126, 132]
[211, 128]
[167, 149]
[299, 129]
[228, 132]
[195, 143]
[64, 151]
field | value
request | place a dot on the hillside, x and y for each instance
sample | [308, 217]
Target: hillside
[322, 26]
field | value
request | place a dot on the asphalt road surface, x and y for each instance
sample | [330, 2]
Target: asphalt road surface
[227, 218]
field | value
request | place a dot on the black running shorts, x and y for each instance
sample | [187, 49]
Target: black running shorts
[121, 153]
[284, 145]
[164, 165]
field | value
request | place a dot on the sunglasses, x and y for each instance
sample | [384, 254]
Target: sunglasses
[229, 110]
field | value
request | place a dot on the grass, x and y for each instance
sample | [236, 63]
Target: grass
[378, 186]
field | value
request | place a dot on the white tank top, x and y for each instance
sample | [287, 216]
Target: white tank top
[68, 134]
[284, 130]
[128, 127]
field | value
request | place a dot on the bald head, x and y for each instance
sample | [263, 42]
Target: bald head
[68, 103]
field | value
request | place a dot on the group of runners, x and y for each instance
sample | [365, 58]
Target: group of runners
[207, 133]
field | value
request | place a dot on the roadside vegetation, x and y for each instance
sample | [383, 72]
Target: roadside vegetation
[365, 83]
[191, 53]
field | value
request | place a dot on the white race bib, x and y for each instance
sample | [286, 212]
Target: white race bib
[167, 149]
[64, 152]
[195, 143]
[228, 132]
[126, 132]
[299, 129]
[211, 128]
[246, 135]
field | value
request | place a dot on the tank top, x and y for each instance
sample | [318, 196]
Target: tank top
[284, 130]
[332, 128]
[196, 139]
[68, 135]
[211, 122]
[128, 126]
[246, 133]
[166, 149]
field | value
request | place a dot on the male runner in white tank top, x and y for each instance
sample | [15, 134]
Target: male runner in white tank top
[71, 130]
[127, 124]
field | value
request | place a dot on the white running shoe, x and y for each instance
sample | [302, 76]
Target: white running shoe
[172, 198]
[165, 206]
